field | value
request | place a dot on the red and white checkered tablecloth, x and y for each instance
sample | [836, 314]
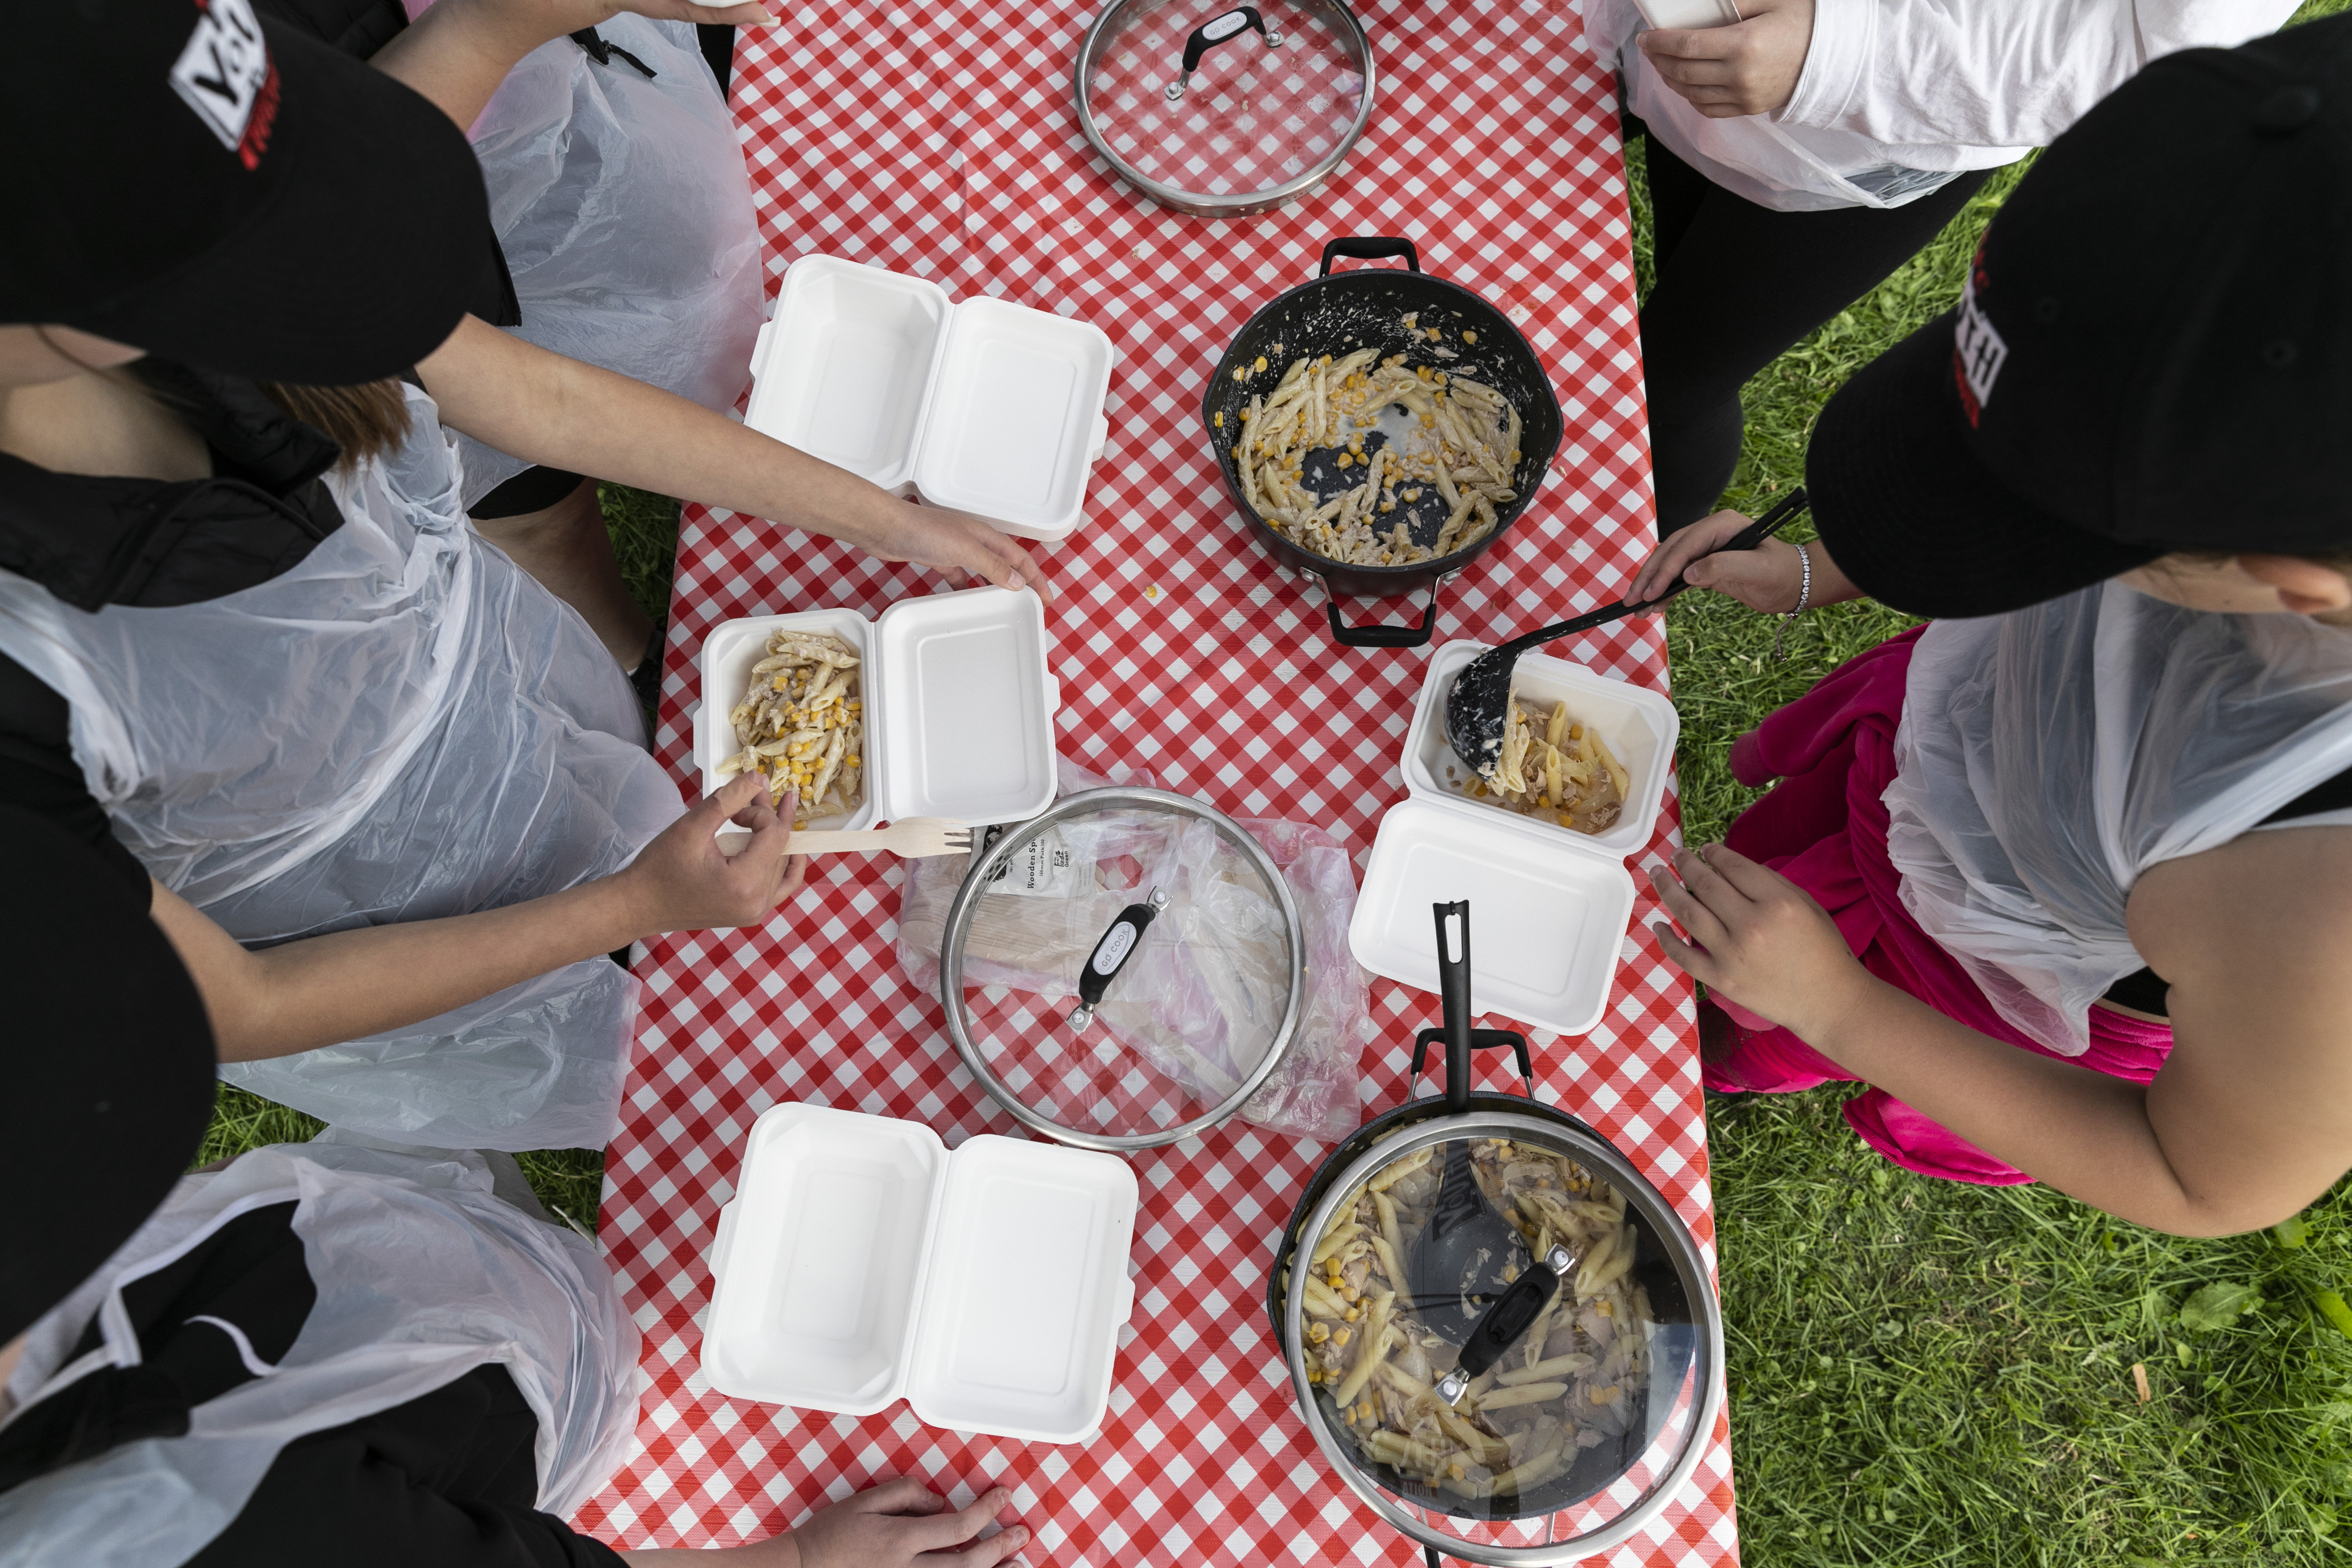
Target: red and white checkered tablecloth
[940, 140]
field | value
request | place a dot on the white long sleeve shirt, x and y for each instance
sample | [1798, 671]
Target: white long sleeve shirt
[1894, 92]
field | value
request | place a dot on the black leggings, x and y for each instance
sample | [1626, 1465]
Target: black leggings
[1738, 284]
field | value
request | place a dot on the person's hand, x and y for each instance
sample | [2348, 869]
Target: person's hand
[964, 547]
[1766, 578]
[683, 882]
[1757, 938]
[905, 1524]
[1749, 67]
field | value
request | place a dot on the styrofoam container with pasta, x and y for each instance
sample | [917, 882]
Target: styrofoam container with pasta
[861, 1261]
[959, 704]
[985, 406]
[1550, 905]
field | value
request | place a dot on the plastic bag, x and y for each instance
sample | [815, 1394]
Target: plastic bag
[403, 726]
[2048, 757]
[1175, 997]
[625, 211]
[422, 1275]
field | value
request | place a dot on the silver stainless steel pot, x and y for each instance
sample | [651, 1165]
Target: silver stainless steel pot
[1582, 1508]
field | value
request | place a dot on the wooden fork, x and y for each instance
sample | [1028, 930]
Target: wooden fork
[911, 839]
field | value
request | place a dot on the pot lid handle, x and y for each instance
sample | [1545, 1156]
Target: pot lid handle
[1117, 944]
[1220, 29]
[1500, 1326]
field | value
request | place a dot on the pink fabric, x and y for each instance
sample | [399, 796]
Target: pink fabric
[1823, 827]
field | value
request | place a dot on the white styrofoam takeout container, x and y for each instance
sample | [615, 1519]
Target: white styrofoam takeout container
[1549, 907]
[959, 711]
[861, 1262]
[984, 406]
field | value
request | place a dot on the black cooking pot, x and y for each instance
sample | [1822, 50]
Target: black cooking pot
[1336, 314]
[1686, 1342]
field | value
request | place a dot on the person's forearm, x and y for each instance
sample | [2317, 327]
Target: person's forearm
[457, 53]
[523, 400]
[2079, 1131]
[345, 986]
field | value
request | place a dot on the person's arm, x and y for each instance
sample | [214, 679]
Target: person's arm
[322, 990]
[542, 406]
[1935, 73]
[2251, 1118]
[457, 52]
[899, 1524]
[1766, 578]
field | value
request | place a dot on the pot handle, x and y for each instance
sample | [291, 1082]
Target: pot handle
[1371, 248]
[1222, 28]
[1453, 987]
[1383, 635]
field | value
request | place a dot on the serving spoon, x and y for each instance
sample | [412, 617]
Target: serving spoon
[1478, 704]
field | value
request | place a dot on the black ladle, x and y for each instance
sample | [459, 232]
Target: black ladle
[1467, 1256]
[1479, 704]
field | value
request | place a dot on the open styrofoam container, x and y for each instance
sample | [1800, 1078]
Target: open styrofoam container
[960, 704]
[1549, 906]
[985, 406]
[862, 1262]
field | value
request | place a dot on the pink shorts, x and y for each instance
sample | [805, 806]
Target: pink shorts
[1823, 827]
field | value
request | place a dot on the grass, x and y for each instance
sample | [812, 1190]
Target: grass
[1921, 1371]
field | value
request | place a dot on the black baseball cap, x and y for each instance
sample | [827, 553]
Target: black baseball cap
[188, 179]
[110, 1065]
[2153, 351]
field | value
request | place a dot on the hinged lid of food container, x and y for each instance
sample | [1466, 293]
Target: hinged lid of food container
[1555, 902]
[959, 715]
[986, 406]
[1015, 416]
[1124, 970]
[860, 1262]
[1222, 110]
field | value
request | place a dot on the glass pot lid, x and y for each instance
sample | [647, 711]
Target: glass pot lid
[1124, 970]
[1222, 110]
[1503, 1338]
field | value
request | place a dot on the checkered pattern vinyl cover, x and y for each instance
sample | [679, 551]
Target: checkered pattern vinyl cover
[941, 140]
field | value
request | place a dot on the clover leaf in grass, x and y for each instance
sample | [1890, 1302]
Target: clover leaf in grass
[2216, 1307]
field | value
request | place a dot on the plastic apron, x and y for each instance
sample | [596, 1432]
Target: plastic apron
[625, 211]
[2048, 757]
[403, 726]
[422, 1276]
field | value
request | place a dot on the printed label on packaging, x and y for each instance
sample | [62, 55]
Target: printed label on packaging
[1044, 867]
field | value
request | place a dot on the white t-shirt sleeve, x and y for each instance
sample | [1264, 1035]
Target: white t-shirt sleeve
[1987, 73]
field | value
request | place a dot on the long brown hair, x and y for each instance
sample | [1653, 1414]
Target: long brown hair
[366, 421]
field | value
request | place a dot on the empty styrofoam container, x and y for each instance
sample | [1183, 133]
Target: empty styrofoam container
[861, 1262]
[984, 406]
[959, 711]
[1549, 906]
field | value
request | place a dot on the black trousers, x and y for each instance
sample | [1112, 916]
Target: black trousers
[1738, 284]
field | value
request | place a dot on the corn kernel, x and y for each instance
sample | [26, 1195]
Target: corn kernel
[1218, 418]
[1342, 460]
[1470, 338]
[1353, 1313]
[854, 762]
[1341, 1336]
[1364, 1411]
[1260, 364]
[1316, 1334]
[1239, 372]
